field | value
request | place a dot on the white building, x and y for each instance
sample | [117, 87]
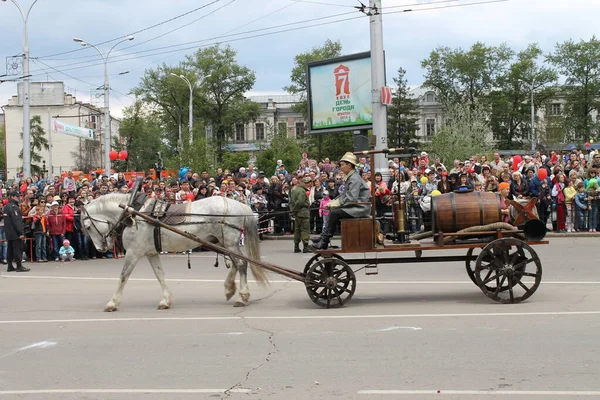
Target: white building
[49, 100]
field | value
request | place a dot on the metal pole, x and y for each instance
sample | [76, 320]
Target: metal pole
[106, 120]
[50, 165]
[26, 107]
[191, 112]
[378, 164]
[532, 120]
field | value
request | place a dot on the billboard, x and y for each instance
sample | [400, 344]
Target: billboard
[339, 94]
[72, 130]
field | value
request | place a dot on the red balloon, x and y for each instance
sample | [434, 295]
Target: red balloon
[587, 144]
[113, 155]
[542, 173]
[189, 196]
[123, 155]
[516, 161]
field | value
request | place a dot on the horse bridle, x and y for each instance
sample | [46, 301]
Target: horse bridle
[93, 225]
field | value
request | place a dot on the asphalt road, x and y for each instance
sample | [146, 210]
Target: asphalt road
[409, 332]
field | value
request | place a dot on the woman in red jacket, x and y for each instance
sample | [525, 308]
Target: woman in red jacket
[69, 216]
[56, 228]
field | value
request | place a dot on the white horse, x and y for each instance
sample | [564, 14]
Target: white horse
[217, 219]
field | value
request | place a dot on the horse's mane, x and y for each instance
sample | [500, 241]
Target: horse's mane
[110, 198]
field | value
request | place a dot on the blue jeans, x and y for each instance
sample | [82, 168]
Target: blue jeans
[593, 213]
[40, 246]
[2, 244]
[84, 248]
[582, 219]
[56, 245]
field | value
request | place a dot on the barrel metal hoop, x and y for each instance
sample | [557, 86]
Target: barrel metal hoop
[480, 199]
[453, 203]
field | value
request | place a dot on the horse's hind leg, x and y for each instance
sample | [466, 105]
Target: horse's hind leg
[242, 267]
[160, 275]
[128, 267]
[230, 287]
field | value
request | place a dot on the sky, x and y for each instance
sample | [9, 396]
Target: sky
[409, 37]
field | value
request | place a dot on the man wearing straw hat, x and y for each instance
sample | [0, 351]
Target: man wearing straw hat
[353, 203]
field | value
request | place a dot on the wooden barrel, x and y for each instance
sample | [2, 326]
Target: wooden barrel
[452, 212]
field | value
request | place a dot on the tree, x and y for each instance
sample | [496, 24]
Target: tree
[299, 85]
[402, 115]
[465, 76]
[141, 136]
[232, 160]
[38, 143]
[281, 147]
[465, 133]
[580, 64]
[223, 104]
[511, 99]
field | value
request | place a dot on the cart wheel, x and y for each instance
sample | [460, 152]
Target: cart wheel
[330, 283]
[470, 265]
[503, 271]
[317, 257]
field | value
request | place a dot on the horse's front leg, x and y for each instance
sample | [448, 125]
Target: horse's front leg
[166, 301]
[128, 267]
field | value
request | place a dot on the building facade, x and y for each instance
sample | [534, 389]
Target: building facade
[66, 152]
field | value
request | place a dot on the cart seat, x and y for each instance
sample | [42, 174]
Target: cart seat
[357, 234]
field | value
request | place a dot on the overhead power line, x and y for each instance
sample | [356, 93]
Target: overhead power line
[138, 31]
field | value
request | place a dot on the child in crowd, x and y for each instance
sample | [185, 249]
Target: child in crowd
[67, 253]
[593, 203]
[581, 207]
[40, 233]
[323, 210]
[570, 191]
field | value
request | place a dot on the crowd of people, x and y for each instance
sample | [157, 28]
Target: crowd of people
[565, 185]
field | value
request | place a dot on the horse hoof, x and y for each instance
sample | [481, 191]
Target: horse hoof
[228, 296]
[163, 307]
[239, 304]
[110, 308]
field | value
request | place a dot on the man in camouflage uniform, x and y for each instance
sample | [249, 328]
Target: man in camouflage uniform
[300, 206]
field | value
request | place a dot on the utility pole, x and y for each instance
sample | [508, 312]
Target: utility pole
[191, 106]
[50, 165]
[533, 138]
[26, 108]
[377, 82]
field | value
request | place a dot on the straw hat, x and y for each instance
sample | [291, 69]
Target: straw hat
[350, 158]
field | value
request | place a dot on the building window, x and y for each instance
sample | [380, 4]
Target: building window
[430, 98]
[430, 128]
[556, 109]
[260, 131]
[240, 134]
[92, 122]
[300, 129]
[282, 128]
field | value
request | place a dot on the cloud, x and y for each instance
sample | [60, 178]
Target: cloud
[408, 37]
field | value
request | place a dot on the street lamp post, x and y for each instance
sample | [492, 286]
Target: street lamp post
[191, 110]
[26, 108]
[106, 99]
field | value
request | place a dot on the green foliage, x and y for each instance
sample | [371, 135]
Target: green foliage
[235, 159]
[298, 76]
[579, 63]
[38, 142]
[465, 76]
[465, 133]
[402, 116]
[141, 136]
[511, 100]
[282, 148]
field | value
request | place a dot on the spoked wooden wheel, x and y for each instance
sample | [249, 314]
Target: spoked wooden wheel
[470, 267]
[508, 270]
[330, 283]
[317, 257]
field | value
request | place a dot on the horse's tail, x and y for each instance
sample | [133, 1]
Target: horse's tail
[252, 244]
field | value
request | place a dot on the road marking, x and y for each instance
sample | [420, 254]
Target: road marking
[366, 282]
[547, 393]
[302, 317]
[393, 328]
[39, 345]
[120, 391]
